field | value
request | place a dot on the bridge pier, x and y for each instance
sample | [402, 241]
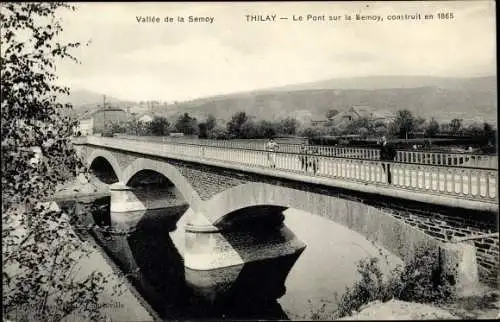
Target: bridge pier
[458, 262]
[128, 210]
[252, 259]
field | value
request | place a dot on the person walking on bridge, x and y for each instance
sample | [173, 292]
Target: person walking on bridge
[271, 148]
[313, 159]
[387, 153]
[303, 157]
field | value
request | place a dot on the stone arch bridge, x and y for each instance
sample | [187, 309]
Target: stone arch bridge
[226, 189]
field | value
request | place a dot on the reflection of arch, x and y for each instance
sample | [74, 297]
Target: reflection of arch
[170, 172]
[108, 156]
[373, 223]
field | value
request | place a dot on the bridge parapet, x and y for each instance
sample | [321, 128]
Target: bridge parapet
[467, 187]
[451, 159]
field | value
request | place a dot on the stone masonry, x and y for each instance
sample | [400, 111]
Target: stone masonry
[442, 223]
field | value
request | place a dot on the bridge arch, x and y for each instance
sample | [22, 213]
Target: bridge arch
[107, 156]
[168, 171]
[373, 223]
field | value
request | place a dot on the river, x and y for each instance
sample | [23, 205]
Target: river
[318, 278]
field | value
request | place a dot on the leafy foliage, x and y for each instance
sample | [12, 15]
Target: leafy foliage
[204, 128]
[311, 132]
[432, 128]
[186, 124]
[455, 125]
[266, 129]
[159, 126]
[418, 280]
[242, 127]
[236, 126]
[218, 132]
[40, 249]
[404, 123]
[288, 126]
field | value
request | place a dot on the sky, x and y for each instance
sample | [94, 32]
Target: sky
[174, 61]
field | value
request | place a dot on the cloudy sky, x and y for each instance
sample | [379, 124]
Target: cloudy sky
[180, 61]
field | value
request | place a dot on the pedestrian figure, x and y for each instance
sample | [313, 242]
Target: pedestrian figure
[303, 157]
[271, 148]
[311, 161]
[387, 153]
[314, 159]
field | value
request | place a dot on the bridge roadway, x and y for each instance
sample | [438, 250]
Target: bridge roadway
[456, 186]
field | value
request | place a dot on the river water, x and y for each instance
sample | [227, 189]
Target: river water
[320, 275]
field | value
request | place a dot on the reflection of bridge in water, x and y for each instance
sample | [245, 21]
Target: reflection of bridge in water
[231, 204]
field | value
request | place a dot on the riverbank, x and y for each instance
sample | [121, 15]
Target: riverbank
[120, 301]
[485, 304]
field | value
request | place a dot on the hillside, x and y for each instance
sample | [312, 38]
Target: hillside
[442, 98]
[385, 82]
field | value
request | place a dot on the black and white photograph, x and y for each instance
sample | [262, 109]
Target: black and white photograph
[265, 161]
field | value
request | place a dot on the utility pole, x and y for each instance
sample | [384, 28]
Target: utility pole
[104, 110]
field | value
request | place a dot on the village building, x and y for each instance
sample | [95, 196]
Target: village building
[355, 113]
[94, 122]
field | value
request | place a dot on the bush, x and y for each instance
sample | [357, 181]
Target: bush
[419, 280]
[159, 126]
[370, 288]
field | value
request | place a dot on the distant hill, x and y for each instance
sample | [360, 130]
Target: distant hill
[389, 82]
[439, 97]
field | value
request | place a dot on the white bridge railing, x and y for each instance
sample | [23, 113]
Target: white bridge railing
[449, 159]
[471, 183]
[421, 157]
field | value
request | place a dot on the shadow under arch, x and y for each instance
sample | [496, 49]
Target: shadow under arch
[170, 173]
[376, 225]
[105, 166]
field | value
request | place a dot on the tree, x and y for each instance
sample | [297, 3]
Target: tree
[248, 130]
[202, 130]
[159, 126]
[234, 126]
[39, 246]
[403, 124]
[205, 127]
[218, 132]
[210, 122]
[186, 124]
[266, 129]
[489, 132]
[455, 125]
[419, 124]
[311, 132]
[331, 113]
[289, 126]
[362, 123]
[432, 128]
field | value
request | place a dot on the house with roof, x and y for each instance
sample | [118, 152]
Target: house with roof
[86, 123]
[145, 118]
[355, 113]
[95, 121]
